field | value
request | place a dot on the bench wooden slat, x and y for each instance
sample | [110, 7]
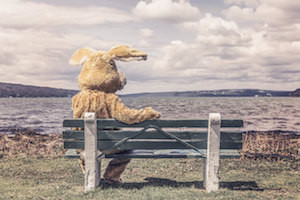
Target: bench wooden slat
[174, 153]
[231, 123]
[140, 144]
[73, 123]
[104, 123]
[166, 145]
[119, 135]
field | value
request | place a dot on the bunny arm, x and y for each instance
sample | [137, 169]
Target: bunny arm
[129, 116]
[109, 106]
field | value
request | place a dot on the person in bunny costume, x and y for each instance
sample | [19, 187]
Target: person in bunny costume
[99, 79]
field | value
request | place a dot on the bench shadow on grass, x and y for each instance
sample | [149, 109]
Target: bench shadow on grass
[160, 182]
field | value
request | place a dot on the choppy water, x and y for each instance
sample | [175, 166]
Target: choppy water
[45, 115]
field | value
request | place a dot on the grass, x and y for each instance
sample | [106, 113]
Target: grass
[32, 178]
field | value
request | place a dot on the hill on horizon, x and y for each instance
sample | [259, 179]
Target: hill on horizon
[221, 93]
[19, 90]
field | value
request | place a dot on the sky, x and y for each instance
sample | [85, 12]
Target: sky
[191, 44]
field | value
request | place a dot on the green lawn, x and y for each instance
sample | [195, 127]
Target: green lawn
[25, 178]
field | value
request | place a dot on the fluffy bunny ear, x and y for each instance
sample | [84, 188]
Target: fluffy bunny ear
[126, 53]
[80, 56]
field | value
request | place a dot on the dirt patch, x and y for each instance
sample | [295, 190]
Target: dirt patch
[271, 145]
[31, 144]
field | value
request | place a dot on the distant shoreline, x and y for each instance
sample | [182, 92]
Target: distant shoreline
[154, 96]
[8, 90]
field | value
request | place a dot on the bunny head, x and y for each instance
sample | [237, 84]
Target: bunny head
[99, 71]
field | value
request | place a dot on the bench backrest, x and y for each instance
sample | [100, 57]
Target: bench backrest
[152, 134]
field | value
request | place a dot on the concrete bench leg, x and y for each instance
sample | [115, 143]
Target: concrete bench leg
[211, 167]
[92, 166]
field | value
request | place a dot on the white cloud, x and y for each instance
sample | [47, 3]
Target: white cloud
[274, 13]
[238, 56]
[275, 33]
[41, 58]
[143, 43]
[170, 10]
[239, 14]
[18, 13]
[146, 32]
[247, 3]
[37, 57]
[35, 47]
[217, 31]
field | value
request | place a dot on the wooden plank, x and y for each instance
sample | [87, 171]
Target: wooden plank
[155, 154]
[106, 135]
[73, 123]
[72, 134]
[132, 145]
[166, 153]
[104, 123]
[172, 144]
[231, 123]
[119, 135]
[74, 144]
[163, 144]
[231, 136]
[231, 145]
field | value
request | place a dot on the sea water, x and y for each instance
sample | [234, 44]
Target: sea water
[45, 115]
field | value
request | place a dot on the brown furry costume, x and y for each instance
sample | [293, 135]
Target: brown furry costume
[108, 106]
[99, 79]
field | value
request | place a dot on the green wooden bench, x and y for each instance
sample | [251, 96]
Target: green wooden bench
[154, 139]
